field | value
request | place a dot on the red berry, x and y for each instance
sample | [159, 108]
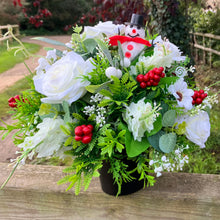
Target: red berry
[156, 78]
[143, 85]
[155, 83]
[161, 69]
[198, 101]
[78, 138]
[201, 91]
[86, 139]
[157, 71]
[146, 77]
[151, 74]
[140, 78]
[91, 127]
[17, 97]
[203, 96]
[79, 131]
[162, 75]
[193, 102]
[196, 94]
[87, 130]
[151, 81]
[148, 83]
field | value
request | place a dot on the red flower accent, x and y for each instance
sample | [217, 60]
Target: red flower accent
[12, 101]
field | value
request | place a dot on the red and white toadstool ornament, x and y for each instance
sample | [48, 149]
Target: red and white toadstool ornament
[133, 42]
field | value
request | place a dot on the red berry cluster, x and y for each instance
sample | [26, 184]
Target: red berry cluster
[198, 97]
[152, 78]
[12, 101]
[84, 133]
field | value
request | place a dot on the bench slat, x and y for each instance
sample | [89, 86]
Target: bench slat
[32, 193]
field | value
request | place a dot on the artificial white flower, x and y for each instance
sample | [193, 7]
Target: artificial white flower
[182, 94]
[107, 28]
[140, 118]
[197, 127]
[112, 71]
[50, 133]
[166, 48]
[63, 80]
[45, 63]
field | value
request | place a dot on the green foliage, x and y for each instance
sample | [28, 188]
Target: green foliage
[64, 13]
[167, 142]
[81, 174]
[97, 76]
[120, 90]
[119, 171]
[112, 142]
[143, 170]
[169, 118]
[170, 22]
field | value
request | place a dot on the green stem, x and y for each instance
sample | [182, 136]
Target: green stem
[18, 162]
[214, 84]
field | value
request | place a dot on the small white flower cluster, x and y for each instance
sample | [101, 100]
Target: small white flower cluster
[171, 162]
[191, 69]
[96, 110]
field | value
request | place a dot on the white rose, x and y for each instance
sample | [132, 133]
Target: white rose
[197, 127]
[107, 28]
[63, 80]
[112, 71]
[110, 29]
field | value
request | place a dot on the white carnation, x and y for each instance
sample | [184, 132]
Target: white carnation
[140, 118]
[50, 133]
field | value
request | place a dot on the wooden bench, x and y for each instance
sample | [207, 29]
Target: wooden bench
[32, 193]
[5, 28]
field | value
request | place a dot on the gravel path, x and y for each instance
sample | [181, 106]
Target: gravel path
[10, 77]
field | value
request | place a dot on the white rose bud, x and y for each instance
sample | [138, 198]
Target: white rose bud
[112, 71]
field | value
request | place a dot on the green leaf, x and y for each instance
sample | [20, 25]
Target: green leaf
[65, 130]
[157, 126]
[45, 109]
[168, 80]
[154, 140]
[90, 44]
[120, 52]
[105, 50]
[47, 40]
[167, 142]
[133, 147]
[66, 109]
[97, 88]
[169, 118]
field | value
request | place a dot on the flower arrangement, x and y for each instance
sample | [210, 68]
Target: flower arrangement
[114, 95]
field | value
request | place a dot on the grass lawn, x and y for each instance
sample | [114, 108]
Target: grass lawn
[16, 89]
[7, 58]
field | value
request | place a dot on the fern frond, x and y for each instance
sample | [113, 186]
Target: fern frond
[78, 184]
[78, 116]
[87, 180]
[115, 87]
[125, 78]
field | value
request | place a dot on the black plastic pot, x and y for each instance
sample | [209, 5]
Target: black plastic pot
[107, 181]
